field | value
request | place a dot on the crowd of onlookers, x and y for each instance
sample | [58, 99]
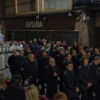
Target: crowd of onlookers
[43, 70]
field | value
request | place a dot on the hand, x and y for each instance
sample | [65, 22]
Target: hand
[77, 90]
[89, 84]
[55, 74]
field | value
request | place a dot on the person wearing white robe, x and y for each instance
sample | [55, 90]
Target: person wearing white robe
[6, 54]
[2, 60]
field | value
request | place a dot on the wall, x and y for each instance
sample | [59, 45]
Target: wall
[1, 8]
[97, 19]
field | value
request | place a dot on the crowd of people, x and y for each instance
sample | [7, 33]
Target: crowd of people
[54, 70]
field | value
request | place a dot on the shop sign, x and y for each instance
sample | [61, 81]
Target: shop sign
[33, 24]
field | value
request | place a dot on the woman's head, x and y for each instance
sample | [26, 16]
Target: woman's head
[32, 93]
[60, 96]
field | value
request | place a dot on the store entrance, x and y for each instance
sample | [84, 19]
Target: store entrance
[51, 35]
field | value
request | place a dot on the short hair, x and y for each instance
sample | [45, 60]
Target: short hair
[69, 63]
[43, 51]
[30, 55]
[59, 95]
[52, 59]
[66, 55]
[16, 79]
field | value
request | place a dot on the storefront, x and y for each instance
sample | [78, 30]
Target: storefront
[51, 26]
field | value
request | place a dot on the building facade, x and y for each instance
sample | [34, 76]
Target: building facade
[88, 23]
[69, 20]
[28, 19]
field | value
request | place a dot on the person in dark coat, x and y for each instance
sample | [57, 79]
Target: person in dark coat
[15, 90]
[60, 59]
[20, 62]
[31, 71]
[95, 73]
[51, 74]
[74, 47]
[54, 52]
[12, 61]
[71, 85]
[68, 59]
[85, 78]
[43, 62]
[75, 60]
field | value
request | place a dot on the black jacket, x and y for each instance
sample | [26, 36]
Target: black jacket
[84, 76]
[50, 80]
[12, 61]
[20, 63]
[70, 80]
[31, 71]
[15, 93]
[2, 95]
[95, 73]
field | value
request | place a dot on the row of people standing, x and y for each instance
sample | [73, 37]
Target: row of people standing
[71, 69]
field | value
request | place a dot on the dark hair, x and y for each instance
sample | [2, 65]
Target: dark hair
[67, 54]
[16, 80]
[82, 61]
[43, 51]
[69, 63]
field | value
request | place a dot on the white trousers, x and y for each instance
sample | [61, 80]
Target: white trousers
[2, 61]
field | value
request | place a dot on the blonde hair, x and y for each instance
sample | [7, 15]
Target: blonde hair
[32, 93]
[2, 82]
[59, 96]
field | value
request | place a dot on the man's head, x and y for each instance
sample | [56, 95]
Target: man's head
[57, 48]
[74, 53]
[52, 62]
[14, 52]
[75, 44]
[96, 51]
[21, 53]
[44, 53]
[69, 66]
[68, 57]
[31, 58]
[62, 51]
[96, 60]
[84, 54]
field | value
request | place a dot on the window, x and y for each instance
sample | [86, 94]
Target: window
[25, 6]
[9, 6]
[55, 4]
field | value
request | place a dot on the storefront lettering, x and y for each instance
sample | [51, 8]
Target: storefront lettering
[34, 24]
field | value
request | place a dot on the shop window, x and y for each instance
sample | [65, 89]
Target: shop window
[55, 4]
[25, 6]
